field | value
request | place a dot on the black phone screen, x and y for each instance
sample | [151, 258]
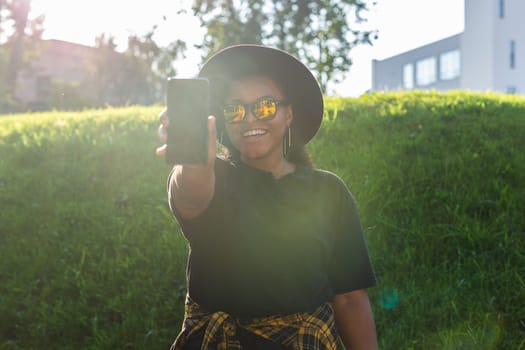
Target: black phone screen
[188, 111]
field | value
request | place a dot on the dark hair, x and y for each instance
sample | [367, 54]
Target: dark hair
[300, 156]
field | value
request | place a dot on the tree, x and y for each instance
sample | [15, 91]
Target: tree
[137, 75]
[108, 74]
[319, 32]
[158, 60]
[3, 18]
[230, 22]
[15, 14]
[121, 78]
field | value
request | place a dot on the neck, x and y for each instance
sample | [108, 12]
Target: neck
[279, 167]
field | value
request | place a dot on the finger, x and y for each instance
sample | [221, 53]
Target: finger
[160, 151]
[212, 140]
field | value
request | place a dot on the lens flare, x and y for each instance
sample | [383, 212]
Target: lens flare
[388, 298]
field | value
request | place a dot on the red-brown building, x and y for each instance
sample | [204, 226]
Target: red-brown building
[61, 74]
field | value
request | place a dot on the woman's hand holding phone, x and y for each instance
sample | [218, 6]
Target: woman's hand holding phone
[191, 145]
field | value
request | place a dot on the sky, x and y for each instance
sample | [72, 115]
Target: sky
[401, 24]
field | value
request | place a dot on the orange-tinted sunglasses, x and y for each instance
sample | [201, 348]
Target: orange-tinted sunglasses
[265, 108]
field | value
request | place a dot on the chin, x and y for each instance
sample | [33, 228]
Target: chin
[252, 155]
[255, 154]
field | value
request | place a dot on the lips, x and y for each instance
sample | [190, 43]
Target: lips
[254, 132]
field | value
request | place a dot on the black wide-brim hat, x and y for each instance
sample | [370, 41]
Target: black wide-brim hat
[298, 83]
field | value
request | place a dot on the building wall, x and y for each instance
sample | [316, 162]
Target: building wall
[387, 74]
[507, 29]
[477, 45]
[66, 75]
[494, 32]
[57, 62]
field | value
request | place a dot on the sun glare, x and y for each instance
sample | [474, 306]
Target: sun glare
[81, 21]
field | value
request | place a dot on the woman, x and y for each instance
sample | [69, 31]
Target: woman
[277, 256]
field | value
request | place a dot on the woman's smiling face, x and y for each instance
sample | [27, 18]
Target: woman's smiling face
[258, 140]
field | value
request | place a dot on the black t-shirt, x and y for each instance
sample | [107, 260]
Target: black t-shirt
[267, 246]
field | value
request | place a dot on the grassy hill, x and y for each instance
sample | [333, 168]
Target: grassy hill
[91, 258]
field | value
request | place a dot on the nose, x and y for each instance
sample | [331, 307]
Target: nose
[250, 117]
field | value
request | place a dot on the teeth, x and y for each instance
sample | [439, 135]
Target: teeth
[254, 132]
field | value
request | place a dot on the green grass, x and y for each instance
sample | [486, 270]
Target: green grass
[91, 258]
[89, 255]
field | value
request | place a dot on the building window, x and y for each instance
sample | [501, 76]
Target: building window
[426, 71]
[501, 8]
[449, 65]
[512, 90]
[512, 56]
[408, 76]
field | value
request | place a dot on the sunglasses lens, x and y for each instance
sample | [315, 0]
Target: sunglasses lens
[234, 113]
[265, 109]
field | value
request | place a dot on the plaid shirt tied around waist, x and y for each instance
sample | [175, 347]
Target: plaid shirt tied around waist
[299, 331]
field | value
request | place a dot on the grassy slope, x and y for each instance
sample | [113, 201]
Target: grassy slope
[90, 258]
[441, 184]
[88, 254]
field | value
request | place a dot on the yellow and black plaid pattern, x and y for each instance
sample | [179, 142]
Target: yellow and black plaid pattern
[300, 331]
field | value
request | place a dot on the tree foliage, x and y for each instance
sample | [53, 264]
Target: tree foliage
[158, 59]
[118, 79]
[17, 34]
[319, 32]
[135, 76]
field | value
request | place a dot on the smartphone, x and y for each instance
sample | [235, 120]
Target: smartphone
[188, 108]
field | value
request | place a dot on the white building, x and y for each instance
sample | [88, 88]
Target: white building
[488, 56]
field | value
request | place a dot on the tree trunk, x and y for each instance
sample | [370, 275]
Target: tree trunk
[20, 13]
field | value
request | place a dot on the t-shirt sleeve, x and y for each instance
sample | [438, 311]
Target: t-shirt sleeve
[350, 267]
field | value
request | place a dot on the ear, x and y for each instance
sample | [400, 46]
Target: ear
[289, 115]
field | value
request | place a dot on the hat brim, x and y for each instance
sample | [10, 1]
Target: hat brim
[299, 85]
